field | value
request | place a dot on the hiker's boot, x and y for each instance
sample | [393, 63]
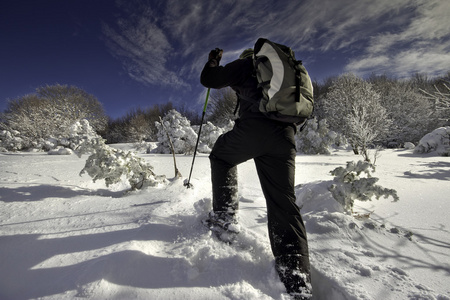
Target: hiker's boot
[224, 225]
[295, 274]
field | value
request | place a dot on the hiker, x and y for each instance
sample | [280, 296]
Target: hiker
[271, 145]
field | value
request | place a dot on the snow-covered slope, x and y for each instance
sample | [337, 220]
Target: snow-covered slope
[63, 236]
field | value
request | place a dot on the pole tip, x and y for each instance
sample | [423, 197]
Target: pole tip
[187, 184]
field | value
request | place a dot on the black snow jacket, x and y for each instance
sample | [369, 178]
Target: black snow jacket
[239, 76]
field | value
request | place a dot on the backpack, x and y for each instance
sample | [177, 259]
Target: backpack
[286, 86]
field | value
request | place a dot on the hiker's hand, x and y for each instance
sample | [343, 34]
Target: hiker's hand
[215, 54]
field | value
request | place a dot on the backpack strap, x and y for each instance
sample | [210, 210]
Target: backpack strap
[237, 103]
[298, 82]
[298, 79]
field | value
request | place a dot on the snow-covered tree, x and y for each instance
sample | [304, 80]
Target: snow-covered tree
[26, 123]
[316, 138]
[441, 99]
[139, 129]
[49, 113]
[349, 184]
[438, 140]
[221, 107]
[353, 108]
[70, 103]
[179, 130]
[137, 125]
[409, 110]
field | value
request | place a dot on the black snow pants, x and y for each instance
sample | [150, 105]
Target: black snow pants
[271, 145]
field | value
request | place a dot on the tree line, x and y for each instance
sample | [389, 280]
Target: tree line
[379, 110]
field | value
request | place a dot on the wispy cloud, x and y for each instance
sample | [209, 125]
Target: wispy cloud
[419, 43]
[166, 42]
[143, 48]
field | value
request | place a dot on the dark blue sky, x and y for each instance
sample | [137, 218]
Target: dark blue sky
[133, 53]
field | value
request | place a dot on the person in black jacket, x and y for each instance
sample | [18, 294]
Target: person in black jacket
[271, 145]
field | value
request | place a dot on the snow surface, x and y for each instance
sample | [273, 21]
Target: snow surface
[63, 236]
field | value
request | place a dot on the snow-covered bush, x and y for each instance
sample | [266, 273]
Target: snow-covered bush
[10, 140]
[315, 138]
[438, 140]
[349, 185]
[78, 134]
[75, 135]
[179, 130]
[60, 151]
[228, 126]
[409, 146]
[112, 165]
[209, 135]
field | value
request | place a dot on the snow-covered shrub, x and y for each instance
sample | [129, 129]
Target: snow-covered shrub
[75, 135]
[409, 146]
[50, 144]
[315, 138]
[209, 135]
[60, 151]
[438, 140]
[179, 130]
[349, 185]
[145, 147]
[10, 140]
[112, 165]
[79, 133]
[228, 126]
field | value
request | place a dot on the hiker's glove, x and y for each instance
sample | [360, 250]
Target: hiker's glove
[215, 54]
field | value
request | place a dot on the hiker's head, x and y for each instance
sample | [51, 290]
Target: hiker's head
[246, 53]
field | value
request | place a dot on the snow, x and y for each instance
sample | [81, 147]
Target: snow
[437, 140]
[63, 236]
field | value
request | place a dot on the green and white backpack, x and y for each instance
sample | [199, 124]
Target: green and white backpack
[286, 86]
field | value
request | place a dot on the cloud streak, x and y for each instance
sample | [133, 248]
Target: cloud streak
[166, 42]
[143, 48]
[420, 43]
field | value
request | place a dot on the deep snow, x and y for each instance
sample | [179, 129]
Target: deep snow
[63, 236]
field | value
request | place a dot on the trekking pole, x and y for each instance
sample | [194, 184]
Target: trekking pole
[187, 183]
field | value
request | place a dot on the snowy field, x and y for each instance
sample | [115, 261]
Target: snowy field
[63, 236]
